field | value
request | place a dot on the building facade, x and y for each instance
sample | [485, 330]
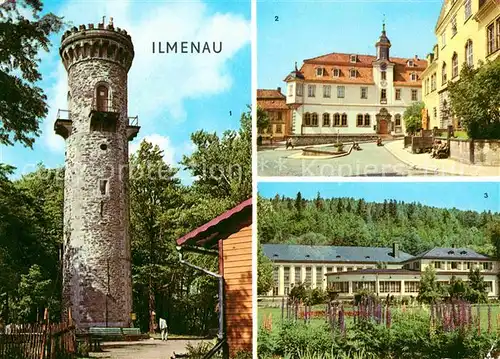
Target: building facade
[468, 33]
[97, 281]
[383, 271]
[273, 102]
[348, 94]
[405, 280]
[295, 264]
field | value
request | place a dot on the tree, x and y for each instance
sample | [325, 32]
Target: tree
[222, 166]
[298, 292]
[262, 119]
[22, 103]
[457, 289]
[299, 203]
[430, 291]
[475, 100]
[413, 117]
[477, 292]
[155, 197]
[265, 280]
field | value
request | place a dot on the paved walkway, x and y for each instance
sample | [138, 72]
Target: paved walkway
[370, 161]
[424, 162]
[145, 349]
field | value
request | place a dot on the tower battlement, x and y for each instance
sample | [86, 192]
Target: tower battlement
[97, 41]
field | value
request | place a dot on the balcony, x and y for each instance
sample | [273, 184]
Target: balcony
[133, 127]
[63, 124]
[103, 116]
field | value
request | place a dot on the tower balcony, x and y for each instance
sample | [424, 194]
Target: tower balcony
[63, 124]
[133, 127]
[103, 117]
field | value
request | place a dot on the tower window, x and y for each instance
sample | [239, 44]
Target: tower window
[103, 186]
[104, 147]
[102, 99]
[384, 75]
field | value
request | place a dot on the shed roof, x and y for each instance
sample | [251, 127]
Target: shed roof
[220, 227]
[305, 253]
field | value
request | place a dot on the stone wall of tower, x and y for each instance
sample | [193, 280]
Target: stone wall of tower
[97, 269]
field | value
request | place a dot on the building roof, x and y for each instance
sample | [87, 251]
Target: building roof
[220, 227]
[271, 99]
[304, 253]
[363, 67]
[451, 253]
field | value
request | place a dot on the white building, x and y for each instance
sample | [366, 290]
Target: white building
[351, 94]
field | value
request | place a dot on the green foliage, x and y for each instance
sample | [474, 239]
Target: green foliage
[413, 117]
[298, 292]
[265, 278]
[23, 34]
[430, 290]
[198, 351]
[477, 289]
[409, 337]
[475, 99]
[262, 119]
[457, 289]
[346, 221]
[223, 165]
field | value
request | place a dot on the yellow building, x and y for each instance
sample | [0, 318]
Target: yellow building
[468, 32]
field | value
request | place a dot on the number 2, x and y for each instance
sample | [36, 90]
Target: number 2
[276, 18]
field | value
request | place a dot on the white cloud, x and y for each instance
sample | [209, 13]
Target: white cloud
[158, 84]
[162, 142]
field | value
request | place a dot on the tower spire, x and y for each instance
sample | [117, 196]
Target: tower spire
[383, 25]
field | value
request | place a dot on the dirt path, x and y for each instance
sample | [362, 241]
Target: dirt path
[146, 349]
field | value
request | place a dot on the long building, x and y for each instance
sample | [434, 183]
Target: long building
[353, 94]
[384, 271]
[467, 33]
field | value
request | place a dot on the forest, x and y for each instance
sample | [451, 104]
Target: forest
[162, 210]
[356, 222]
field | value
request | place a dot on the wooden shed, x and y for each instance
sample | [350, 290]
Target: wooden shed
[231, 235]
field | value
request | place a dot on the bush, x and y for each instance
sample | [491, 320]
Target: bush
[363, 295]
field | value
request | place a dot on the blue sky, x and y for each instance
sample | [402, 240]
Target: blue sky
[173, 95]
[461, 195]
[307, 29]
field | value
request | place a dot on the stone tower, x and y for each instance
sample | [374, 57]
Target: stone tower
[97, 283]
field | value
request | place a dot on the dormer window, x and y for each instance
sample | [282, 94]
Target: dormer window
[411, 63]
[413, 76]
[354, 59]
[353, 73]
[336, 73]
[319, 71]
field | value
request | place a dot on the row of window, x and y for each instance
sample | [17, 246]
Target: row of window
[430, 83]
[453, 22]
[493, 36]
[311, 92]
[340, 120]
[455, 265]
[321, 71]
[384, 286]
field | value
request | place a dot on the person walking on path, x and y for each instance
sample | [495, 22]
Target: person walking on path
[163, 329]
